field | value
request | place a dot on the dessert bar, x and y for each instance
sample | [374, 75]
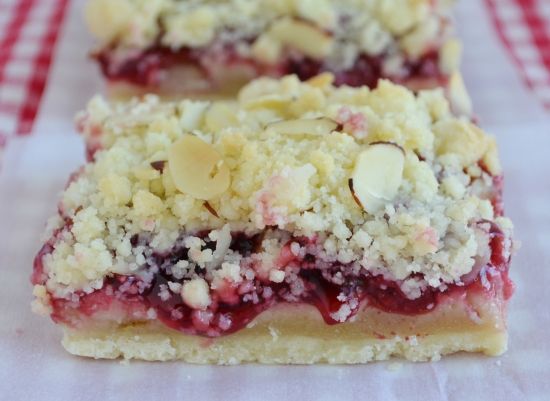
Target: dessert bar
[174, 47]
[298, 223]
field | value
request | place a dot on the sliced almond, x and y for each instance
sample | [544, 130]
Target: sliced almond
[212, 211]
[302, 36]
[305, 126]
[197, 168]
[396, 146]
[377, 175]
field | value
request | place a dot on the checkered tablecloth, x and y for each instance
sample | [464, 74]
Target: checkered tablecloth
[29, 31]
[524, 28]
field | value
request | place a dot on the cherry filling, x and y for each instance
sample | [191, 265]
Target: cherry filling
[149, 67]
[233, 306]
[367, 70]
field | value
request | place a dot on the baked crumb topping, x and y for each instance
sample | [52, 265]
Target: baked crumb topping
[140, 196]
[266, 29]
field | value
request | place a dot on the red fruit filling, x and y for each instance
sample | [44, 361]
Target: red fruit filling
[337, 291]
[148, 68]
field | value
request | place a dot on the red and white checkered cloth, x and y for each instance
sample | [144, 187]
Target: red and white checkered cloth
[524, 28]
[28, 33]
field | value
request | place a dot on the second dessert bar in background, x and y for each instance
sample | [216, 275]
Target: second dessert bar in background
[173, 47]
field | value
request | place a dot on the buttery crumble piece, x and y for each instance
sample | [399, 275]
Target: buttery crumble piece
[404, 218]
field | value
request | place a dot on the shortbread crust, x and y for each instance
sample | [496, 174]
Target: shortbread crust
[297, 334]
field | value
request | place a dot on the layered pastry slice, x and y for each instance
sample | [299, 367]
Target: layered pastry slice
[200, 47]
[300, 223]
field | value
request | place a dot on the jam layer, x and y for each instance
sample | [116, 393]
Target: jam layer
[150, 67]
[233, 307]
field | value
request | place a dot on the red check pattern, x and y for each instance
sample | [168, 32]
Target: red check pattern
[524, 28]
[29, 30]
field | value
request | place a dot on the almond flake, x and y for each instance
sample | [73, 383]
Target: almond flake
[313, 126]
[197, 168]
[377, 175]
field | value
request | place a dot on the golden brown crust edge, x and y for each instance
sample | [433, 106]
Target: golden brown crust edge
[297, 335]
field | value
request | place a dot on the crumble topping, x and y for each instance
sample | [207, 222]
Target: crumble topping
[126, 206]
[195, 293]
[265, 30]
[41, 302]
